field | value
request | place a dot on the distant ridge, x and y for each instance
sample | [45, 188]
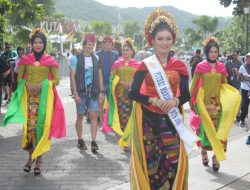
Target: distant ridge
[89, 10]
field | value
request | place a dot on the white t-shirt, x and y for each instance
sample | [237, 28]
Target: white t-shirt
[245, 85]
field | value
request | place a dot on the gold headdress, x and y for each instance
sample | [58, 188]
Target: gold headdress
[128, 41]
[156, 17]
[210, 39]
[37, 31]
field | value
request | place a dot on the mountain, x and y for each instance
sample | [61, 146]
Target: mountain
[89, 10]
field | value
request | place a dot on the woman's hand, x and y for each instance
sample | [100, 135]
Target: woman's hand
[125, 84]
[77, 99]
[101, 97]
[191, 104]
[166, 105]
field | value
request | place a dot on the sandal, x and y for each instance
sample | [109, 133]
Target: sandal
[205, 159]
[216, 164]
[27, 167]
[38, 170]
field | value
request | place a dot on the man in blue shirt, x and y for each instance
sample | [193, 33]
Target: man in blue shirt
[107, 57]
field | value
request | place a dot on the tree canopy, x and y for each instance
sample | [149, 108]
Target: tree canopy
[240, 4]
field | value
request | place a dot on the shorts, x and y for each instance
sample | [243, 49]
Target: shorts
[87, 104]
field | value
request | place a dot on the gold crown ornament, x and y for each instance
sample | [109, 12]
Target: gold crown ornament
[156, 17]
[210, 39]
[37, 31]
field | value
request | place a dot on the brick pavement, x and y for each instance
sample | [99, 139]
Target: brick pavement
[65, 167]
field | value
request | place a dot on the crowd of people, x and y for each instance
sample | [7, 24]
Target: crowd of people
[138, 96]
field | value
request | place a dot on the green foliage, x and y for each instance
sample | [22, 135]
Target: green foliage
[131, 29]
[23, 12]
[48, 5]
[233, 35]
[205, 26]
[58, 16]
[101, 28]
[239, 8]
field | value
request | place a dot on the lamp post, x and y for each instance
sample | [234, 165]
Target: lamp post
[246, 12]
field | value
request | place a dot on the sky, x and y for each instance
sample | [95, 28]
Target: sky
[198, 7]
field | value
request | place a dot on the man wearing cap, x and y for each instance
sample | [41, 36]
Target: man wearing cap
[87, 86]
[107, 57]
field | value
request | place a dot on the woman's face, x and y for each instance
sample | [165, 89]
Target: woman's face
[213, 53]
[38, 45]
[163, 42]
[127, 52]
[89, 47]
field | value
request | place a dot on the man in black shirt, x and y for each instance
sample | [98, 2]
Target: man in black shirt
[4, 71]
[195, 60]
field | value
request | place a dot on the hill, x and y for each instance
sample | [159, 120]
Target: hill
[89, 10]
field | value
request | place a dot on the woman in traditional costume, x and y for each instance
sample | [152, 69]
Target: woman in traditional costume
[120, 105]
[215, 102]
[160, 140]
[36, 103]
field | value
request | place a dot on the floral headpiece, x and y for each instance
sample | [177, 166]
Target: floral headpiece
[209, 40]
[89, 37]
[156, 17]
[37, 31]
[108, 39]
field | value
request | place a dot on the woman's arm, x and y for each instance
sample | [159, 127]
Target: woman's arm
[184, 90]
[134, 91]
[195, 79]
[55, 75]
[21, 71]
[224, 79]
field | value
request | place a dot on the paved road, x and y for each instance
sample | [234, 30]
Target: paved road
[65, 167]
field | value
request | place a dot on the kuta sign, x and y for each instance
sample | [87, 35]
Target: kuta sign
[60, 26]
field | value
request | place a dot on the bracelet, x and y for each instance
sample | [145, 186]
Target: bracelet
[153, 101]
[177, 101]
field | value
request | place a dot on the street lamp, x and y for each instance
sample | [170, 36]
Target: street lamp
[246, 12]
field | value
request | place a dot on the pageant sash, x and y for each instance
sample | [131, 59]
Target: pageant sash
[165, 92]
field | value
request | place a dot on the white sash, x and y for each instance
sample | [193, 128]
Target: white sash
[165, 92]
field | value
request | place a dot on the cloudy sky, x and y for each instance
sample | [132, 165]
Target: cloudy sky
[199, 7]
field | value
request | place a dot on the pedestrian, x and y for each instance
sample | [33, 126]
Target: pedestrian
[4, 72]
[223, 58]
[20, 53]
[118, 48]
[120, 105]
[159, 159]
[88, 90]
[244, 76]
[195, 60]
[8, 54]
[72, 58]
[36, 103]
[107, 57]
[215, 102]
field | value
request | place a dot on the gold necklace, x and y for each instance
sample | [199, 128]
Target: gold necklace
[37, 63]
[213, 68]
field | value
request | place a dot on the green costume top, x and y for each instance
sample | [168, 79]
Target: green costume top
[211, 83]
[36, 74]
